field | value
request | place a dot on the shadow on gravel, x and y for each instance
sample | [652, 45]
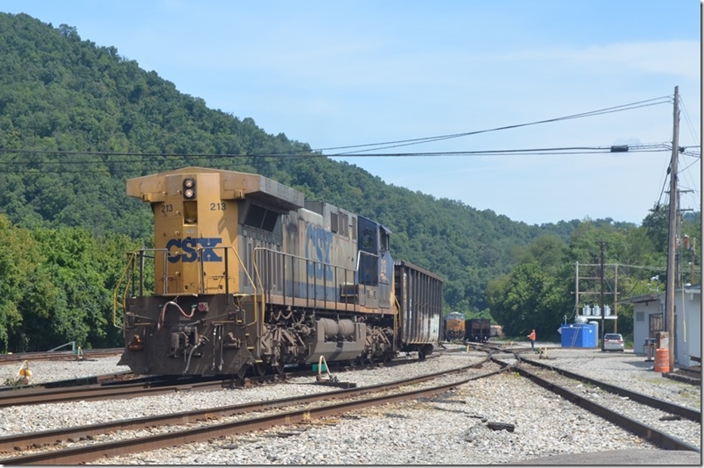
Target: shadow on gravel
[645, 365]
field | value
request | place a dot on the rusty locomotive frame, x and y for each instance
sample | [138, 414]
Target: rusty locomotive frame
[248, 276]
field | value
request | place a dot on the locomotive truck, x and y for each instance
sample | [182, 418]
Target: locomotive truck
[247, 276]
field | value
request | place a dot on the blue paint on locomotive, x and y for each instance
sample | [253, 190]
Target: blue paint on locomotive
[318, 248]
[188, 247]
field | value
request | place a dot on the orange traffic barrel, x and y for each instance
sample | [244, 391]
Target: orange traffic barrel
[662, 360]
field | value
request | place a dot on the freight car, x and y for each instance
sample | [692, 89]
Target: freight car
[453, 326]
[248, 276]
[477, 330]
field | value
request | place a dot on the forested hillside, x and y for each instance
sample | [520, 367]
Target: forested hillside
[61, 94]
[77, 120]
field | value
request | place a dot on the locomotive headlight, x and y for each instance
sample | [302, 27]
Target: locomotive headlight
[189, 188]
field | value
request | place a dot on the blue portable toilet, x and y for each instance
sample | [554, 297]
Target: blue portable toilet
[578, 335]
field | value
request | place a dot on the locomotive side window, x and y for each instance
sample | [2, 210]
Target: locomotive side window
[333, 222]
[344, 225]
[261, 218]
[255, 216]
[270, 220]
[384, 237]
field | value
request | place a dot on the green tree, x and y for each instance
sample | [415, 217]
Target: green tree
[19, 256]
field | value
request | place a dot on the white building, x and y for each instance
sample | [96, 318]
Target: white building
[650, 317]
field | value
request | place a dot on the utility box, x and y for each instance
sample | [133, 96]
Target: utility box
[578, 335]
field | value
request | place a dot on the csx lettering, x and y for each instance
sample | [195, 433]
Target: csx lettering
[318, 248]
[188, 249]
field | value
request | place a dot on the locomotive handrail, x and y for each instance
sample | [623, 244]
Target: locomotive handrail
[359, 257]
[226, 249]
[130, 259]
[398, 315]
[260, 328]
[308, 262]
[130, 268]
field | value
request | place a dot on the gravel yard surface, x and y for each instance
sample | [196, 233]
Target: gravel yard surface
[449, 429]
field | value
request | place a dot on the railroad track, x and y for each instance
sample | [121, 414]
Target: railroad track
[691, 375]
[93, 392]
[114, 386]
[59, 355]
[299, 409]
[75, 455]
[103, 379]
[656, 418]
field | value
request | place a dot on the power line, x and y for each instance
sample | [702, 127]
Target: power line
[129, 157]
[415, 141]
[689, 121]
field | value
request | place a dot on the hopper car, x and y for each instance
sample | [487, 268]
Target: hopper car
[477, 330]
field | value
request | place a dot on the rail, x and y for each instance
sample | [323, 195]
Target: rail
[373, 396]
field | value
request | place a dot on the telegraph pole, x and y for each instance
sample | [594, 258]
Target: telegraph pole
[671, 244]
[576, 288]
[616, 298]
[601, 243]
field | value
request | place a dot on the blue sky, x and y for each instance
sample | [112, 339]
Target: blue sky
[346, 73]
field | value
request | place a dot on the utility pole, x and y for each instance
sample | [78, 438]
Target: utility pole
[576, 289]
[671, 244]
[691, 269]
[601, 243]
[616, 298]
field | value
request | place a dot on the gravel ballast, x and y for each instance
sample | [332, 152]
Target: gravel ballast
[449, 429]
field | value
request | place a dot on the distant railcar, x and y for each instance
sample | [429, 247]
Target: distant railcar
[477, 330]
[453, 326]
[246, 276]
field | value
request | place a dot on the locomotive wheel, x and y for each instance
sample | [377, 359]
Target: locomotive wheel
[242, 371]
[421, 354]
[260, 368]
[279, 367]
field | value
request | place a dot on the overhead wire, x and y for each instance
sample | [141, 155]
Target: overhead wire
[415, 141]
[686, 175]
[127, 157]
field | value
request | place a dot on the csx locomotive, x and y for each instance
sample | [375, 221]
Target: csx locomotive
[454, 326]
[248, 276]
